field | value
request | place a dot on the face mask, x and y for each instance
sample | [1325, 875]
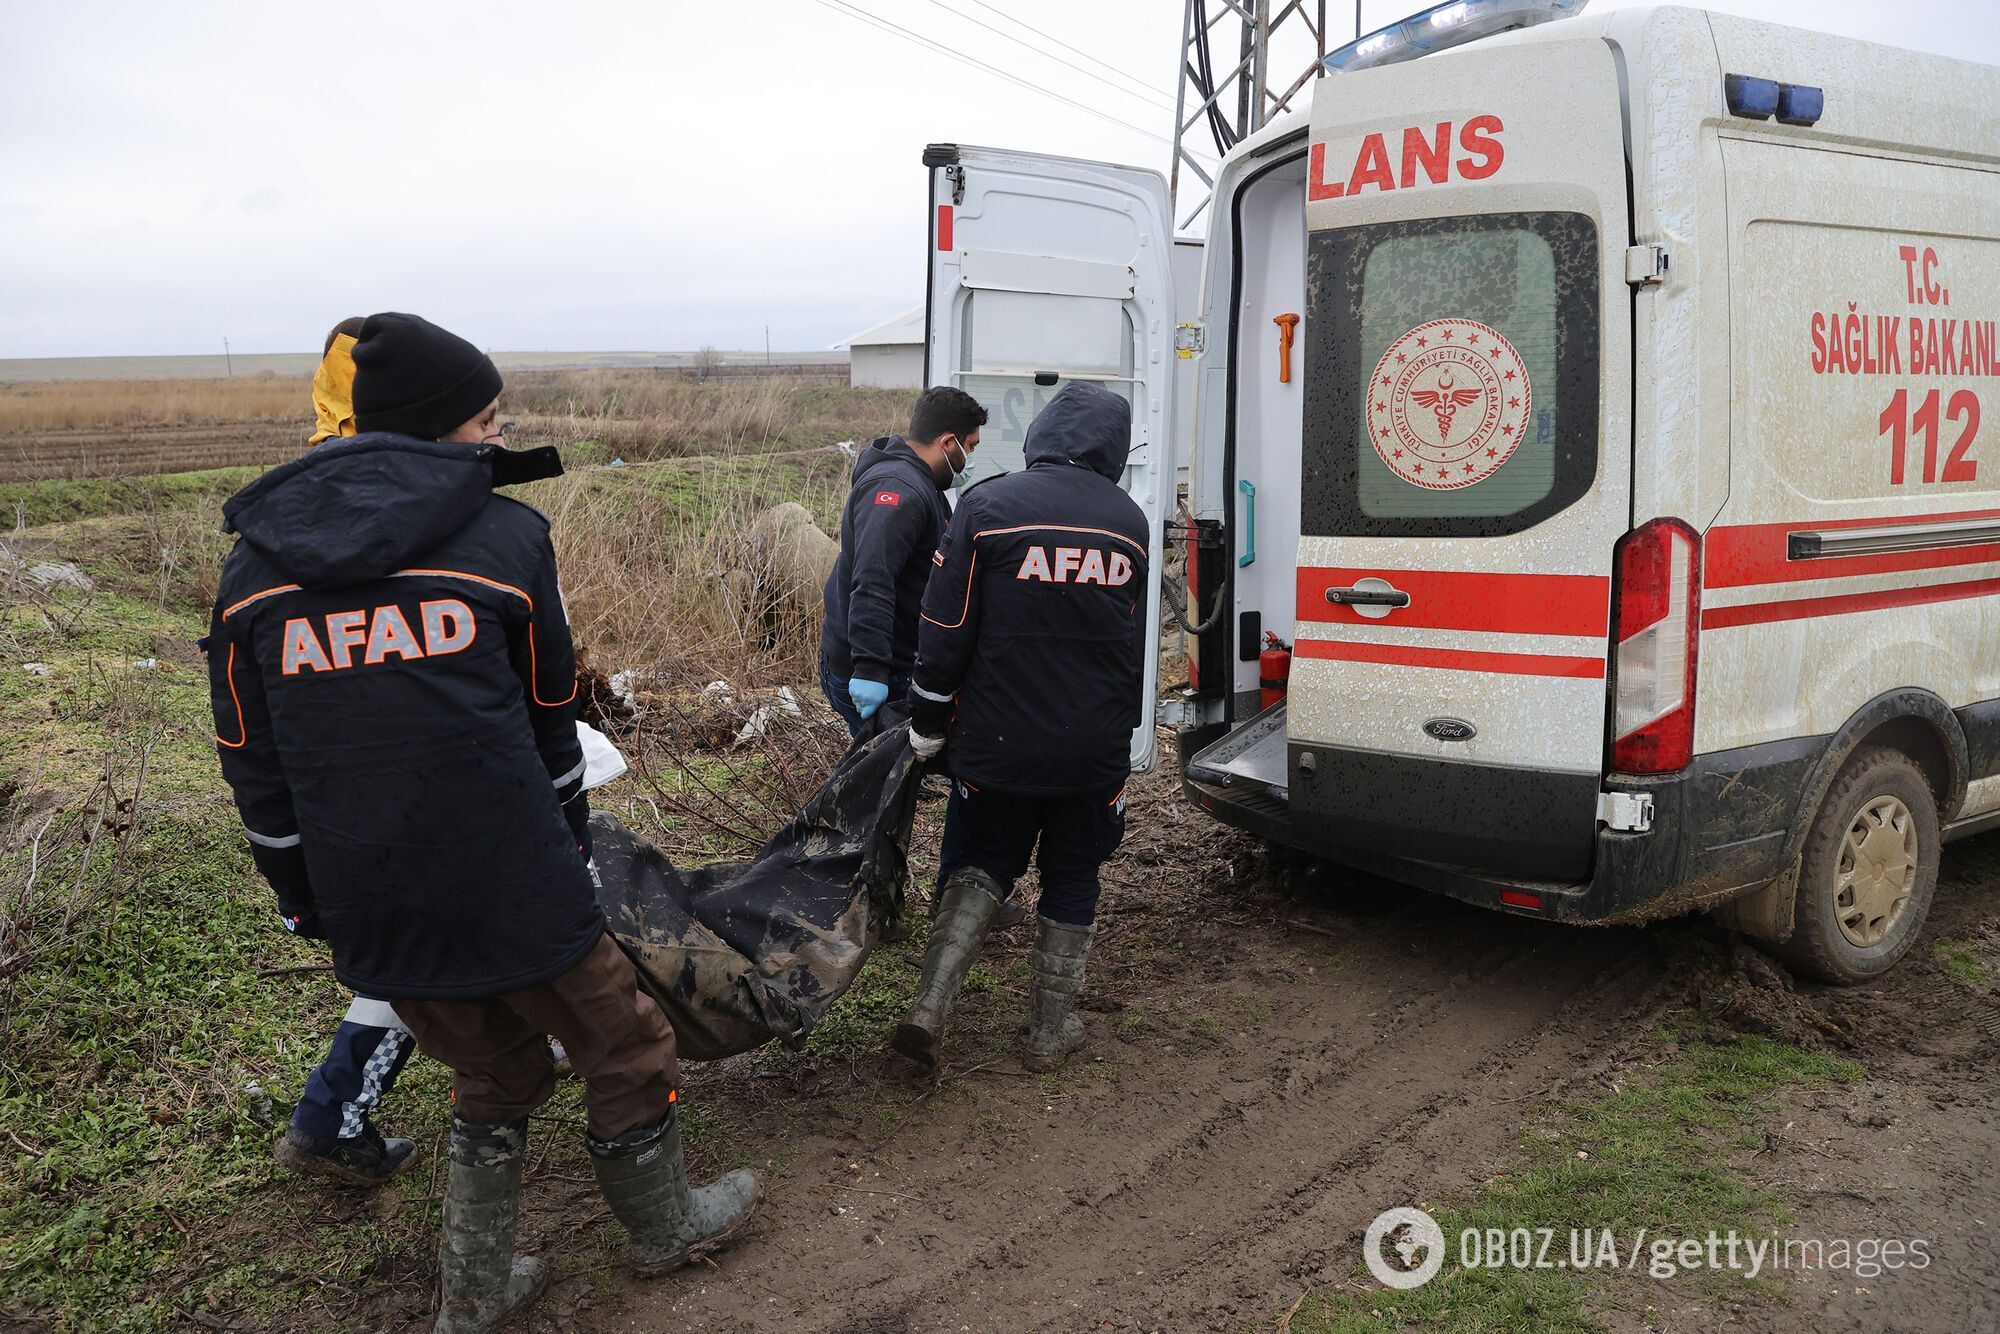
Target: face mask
[957, 480]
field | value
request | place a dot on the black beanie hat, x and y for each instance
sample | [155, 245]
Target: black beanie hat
[412, 377]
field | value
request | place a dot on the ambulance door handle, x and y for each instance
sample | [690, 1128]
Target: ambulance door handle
[1249, 490]
[1381, 594]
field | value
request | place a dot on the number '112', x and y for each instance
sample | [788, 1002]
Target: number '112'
[1897, 422]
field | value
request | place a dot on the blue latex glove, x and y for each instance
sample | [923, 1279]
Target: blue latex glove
[867, 695]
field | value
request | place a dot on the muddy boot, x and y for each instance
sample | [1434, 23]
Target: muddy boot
[1054, 1030]
[482, 1282]
[366, 1159]
[965, 912]
[644, 1180]
[1013, 908]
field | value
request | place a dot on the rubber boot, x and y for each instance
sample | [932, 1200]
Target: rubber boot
[1054, 1030]
[644, 1179]
[967, 906]
[482, 1282]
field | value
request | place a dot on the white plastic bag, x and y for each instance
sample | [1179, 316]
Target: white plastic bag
[601, 760]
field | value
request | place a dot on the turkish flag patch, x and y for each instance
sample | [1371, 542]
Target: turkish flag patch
[887, 498]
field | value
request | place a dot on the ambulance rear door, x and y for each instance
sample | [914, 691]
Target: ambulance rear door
[1045, 270]
[1465, 455]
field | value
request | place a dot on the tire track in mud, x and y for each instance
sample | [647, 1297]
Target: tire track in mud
[1198, 1188]
[1301, 1168]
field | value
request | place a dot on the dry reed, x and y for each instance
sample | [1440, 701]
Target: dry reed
[644, 564]
[108, 428]
[98, 405]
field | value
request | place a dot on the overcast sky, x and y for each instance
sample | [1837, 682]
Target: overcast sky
[589, 176]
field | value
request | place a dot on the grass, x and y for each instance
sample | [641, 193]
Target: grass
[1961, 960]
[32, 504]
[136, 1185]
[646, 555]
[1663, 1152]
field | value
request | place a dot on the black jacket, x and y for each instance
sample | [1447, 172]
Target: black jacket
[894, 520]
[1035, 618]
[394, 690]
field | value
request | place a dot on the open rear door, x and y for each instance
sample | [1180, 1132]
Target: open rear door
[1044, 270]
[1465, 460]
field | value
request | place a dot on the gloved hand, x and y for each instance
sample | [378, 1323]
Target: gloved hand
[577, 812]
[925, 747]
[867, 695]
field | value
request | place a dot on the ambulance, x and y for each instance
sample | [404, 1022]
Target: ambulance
[1590, 512]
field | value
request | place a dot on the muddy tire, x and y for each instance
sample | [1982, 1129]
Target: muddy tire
[1868, 872]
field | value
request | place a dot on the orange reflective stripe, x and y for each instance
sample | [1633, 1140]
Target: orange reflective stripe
[965, 610]
[1059, 528]
[534, 672]
[235, 607]
[535, 677]
[242, 732]
[475, 578]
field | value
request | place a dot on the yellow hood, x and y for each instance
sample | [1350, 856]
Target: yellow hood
[333, 390]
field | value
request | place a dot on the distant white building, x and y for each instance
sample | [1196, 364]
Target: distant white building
[888, 356]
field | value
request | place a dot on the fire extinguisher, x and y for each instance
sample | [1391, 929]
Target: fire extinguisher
[1274, 670]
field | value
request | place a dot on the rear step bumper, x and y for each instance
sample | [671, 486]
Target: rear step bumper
[1719, 827]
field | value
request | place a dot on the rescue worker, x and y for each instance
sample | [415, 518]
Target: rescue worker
[333, 382]
[331, 1133]
[394, 685]
[1031, 661]
[894, 519]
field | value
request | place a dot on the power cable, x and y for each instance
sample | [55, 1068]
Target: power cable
[1068, 64]
[1049, 37]
[1225, 134]
[854, 11]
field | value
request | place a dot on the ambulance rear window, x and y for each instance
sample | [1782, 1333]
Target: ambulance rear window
[1451, 374]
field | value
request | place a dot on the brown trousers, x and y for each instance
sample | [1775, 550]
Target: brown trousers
[498, 1052]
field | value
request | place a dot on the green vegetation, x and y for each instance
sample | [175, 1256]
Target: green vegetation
[1961, 959]
[1662, 1152]
[31, 504]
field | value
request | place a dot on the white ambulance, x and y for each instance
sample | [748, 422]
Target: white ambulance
[1628, 513]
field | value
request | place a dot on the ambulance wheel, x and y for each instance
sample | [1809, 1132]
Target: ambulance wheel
[1869, 870]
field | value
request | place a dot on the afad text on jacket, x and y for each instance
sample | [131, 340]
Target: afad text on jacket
[393, 686]
[1032, 645]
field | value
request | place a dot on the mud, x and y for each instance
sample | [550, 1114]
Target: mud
[1278, 1052]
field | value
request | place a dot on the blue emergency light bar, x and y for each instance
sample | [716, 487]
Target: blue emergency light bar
[1761, 99]
[1444, 26]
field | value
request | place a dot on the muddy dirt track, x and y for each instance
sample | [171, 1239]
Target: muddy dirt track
[1271, 1063]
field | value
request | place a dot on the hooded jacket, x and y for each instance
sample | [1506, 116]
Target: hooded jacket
[1031, 648]
[894, 520]
[393, 686]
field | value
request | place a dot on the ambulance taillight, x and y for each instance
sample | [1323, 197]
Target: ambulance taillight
[1657, 610]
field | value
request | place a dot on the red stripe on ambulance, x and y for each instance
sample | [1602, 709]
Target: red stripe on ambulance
[1528, 604]
[1450, 659]
[1842, 604]
[1743, 555]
